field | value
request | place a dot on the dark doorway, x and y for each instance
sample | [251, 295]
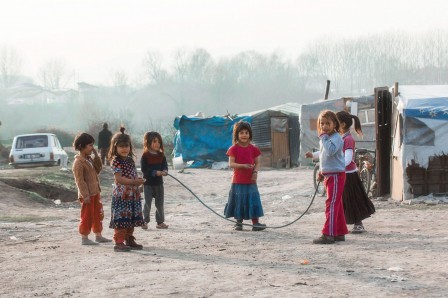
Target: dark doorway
[383, 116]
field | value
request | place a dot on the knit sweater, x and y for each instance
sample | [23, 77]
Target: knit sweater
[86, 173]
[331, 157]
[150, 164]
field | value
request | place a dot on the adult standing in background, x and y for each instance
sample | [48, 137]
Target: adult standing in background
[104, 138]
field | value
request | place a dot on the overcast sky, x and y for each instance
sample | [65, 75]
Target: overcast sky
[96, 37]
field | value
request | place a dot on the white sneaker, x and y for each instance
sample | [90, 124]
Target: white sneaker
[358, 229]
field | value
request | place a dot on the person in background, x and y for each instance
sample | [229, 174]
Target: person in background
[332, 172]
[104, 143]
[126, 209]
[85, 171]
[154, 167]
[244, 199]
[357, 205]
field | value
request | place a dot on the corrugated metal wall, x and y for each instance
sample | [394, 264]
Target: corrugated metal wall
[263, 138]
[261, 130]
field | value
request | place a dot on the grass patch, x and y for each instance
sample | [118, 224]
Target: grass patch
[37, 197]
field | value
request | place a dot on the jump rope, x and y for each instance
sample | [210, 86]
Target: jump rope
[249, 225]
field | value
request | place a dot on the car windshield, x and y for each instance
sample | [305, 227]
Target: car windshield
[32, 141]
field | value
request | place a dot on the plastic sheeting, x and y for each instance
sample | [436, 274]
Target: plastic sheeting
[424, 112]
[204, 140]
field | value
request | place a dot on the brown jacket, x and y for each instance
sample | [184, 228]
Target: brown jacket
[86, 176]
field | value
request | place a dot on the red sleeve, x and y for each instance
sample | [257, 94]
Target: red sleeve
[256, 151]
[231, 151]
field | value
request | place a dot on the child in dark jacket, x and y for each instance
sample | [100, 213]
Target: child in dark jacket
[154, 167]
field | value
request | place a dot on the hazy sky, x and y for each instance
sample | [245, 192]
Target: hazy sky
[96, 37]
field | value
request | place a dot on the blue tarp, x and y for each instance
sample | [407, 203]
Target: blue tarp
[204, 140]
[432, 108]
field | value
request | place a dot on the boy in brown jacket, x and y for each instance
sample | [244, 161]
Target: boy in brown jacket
[85, 171]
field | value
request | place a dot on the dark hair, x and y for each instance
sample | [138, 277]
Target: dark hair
[239, 126]
[105, 126]
[346, 118]
[119, 139]
[82, 140]
[149, 137]
[329, 115]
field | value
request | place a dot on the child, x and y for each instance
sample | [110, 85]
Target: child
[332, 172]
[244, 200]
[126, 211]
[85, 172]
[154, 167]
[357, 205]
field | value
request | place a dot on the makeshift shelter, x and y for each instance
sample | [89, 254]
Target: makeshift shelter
[419, 158]
[276, 132]
[363, 107]
[204, 140]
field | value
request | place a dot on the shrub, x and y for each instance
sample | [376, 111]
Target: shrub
[64, 137]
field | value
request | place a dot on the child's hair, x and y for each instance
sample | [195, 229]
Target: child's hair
[346, 118]
[239, 126]
[82, 140]
[120, 139]
[149, 137]
[330, 115]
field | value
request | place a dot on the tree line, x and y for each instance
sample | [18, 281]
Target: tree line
[194, 80]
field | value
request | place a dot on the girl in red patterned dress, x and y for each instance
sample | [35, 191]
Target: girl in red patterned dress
[244, 199]
[126, 210]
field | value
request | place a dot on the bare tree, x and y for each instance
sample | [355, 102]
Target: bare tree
[152, 65]
[54, 75]
[10, 65]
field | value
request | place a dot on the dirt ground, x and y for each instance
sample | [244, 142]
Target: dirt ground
[403, 254]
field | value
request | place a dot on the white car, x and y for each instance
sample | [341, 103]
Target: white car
[37, 149]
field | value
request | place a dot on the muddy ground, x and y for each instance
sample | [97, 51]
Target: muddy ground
[403, 254]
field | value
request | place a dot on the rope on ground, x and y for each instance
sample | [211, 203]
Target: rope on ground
[267, 227]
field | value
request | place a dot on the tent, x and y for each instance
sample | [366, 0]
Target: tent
[204, 140]
[420, 141]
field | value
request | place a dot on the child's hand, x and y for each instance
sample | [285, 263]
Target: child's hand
[164, 172]
[248, 166]
[309, 155]
[254, 176]
[85, 200]
[139, 181]
[320, 177]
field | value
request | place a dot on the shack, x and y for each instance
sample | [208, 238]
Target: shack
[363, 107]
[276, 131]
[419, 160]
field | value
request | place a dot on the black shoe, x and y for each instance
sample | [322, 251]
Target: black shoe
[339, 238]
[324, 239]
[120, 247]
[358, 229]
[238, 226]
[132, 244]
[258, 227]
